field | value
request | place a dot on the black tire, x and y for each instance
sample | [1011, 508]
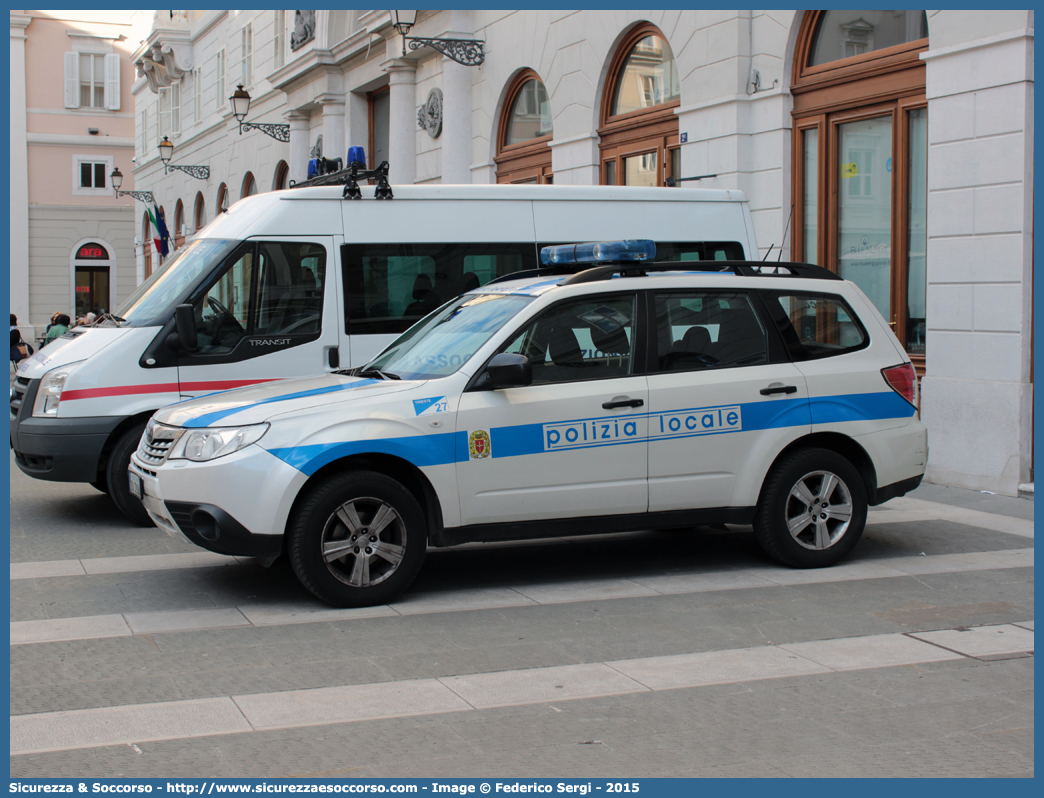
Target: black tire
[785, 525]
[344, 505]
[116, 477]
[101, 485]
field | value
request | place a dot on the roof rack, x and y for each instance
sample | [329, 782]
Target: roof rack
[349, 177]
[742, 268]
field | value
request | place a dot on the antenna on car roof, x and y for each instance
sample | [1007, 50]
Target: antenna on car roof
[785, 229]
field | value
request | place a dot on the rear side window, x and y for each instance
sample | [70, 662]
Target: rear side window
[708, 329]
[816, 325]
[390, 287]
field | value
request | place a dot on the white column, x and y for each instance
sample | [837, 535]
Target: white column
[18, 167]
[456, 122]
[333, 126]
[456, 106]
[299, 124]
[402, 125]
[976, 396]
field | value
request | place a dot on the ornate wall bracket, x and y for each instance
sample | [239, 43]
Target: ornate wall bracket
[140, 196]
[278, 132]
[468, 52]
[198, 172]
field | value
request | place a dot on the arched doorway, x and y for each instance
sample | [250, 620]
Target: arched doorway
[146, 244]
[200, 214]
[525, 132]
[93, 271]
[249, 185]
[222, 199]
[282, 174]
[639, 127]
[860, 151]
[178, 232]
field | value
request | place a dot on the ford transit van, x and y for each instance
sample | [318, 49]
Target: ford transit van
[304, 281]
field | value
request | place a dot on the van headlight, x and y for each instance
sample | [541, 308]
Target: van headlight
[49, 394]
[210, 443]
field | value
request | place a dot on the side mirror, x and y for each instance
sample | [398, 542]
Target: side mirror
[508, 370]
[185, 324]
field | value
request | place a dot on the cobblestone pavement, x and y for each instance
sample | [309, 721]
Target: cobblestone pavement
[648, 654]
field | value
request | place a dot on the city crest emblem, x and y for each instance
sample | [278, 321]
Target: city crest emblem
[479, 445]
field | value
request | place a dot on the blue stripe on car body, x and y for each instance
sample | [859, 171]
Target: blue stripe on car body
[515, 441]
[207, 419]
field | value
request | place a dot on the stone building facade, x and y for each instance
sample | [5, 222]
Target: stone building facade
[72, 123]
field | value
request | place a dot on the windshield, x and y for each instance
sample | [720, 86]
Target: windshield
[445, 340]
[169, 282]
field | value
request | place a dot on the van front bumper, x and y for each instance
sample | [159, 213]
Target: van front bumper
[57, 449]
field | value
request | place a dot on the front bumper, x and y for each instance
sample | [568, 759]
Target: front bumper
[235, 505]
[57, 449]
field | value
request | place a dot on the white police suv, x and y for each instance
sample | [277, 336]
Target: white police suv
[602, 393]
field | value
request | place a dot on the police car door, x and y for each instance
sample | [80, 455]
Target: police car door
[724, 400]
[269, 313]
[573, 443]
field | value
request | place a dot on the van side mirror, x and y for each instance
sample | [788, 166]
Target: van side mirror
[508, 370]
[185, 324]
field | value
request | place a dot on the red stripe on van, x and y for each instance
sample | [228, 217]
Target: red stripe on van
[162, 387]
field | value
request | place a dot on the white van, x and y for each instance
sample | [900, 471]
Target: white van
[303, 281]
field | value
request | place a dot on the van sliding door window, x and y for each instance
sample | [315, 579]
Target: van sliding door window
[389, 287]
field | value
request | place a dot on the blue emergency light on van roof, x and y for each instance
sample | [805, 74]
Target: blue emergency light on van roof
[313, 168]
[600, 252]
[356, 155]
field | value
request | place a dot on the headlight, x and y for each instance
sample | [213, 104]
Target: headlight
[213, 442]
[49, 394]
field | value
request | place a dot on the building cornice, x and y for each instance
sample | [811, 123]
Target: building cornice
[20, 21]
[71, 140]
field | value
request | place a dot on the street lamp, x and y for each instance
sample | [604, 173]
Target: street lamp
[166, 148]
[240, 100]
[468, 52]
[117, 180]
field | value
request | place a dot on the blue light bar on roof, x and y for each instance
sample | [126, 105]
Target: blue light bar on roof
[602, 252]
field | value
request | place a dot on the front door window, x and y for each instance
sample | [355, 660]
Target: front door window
[92, 290]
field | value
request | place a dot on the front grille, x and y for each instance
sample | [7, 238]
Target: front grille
[18, 390]
[154, 452]
[157, 441]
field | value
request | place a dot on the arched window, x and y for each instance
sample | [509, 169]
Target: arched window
[146, 243]
[179, 224]
[93, 273]
[282, 172]
[639, 129]
[222, 199]
[200, 215]
[249, 185]
[525, 131]
[860, 150]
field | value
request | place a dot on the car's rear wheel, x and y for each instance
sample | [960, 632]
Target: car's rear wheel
[812, 510]
[117, 480]
[357, 539]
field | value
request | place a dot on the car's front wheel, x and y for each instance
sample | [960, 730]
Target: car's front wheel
[357, 539]
[812, 509]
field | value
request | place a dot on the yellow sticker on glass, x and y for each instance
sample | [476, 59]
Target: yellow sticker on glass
[849, 170]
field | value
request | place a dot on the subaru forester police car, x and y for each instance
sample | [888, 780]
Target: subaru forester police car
[604, 392]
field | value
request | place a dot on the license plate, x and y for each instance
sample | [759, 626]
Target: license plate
[135, 484]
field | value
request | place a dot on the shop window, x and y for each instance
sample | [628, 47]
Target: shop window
[249, 185]
[523, 151]
[282, 172]
[860, 158]
[639, 130]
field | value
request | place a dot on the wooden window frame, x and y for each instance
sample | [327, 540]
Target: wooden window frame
[890, 81]
[527, 161]
[636, 132]
[179, 221]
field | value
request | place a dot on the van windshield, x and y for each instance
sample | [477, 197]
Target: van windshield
[445, 340]
[169, 283]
